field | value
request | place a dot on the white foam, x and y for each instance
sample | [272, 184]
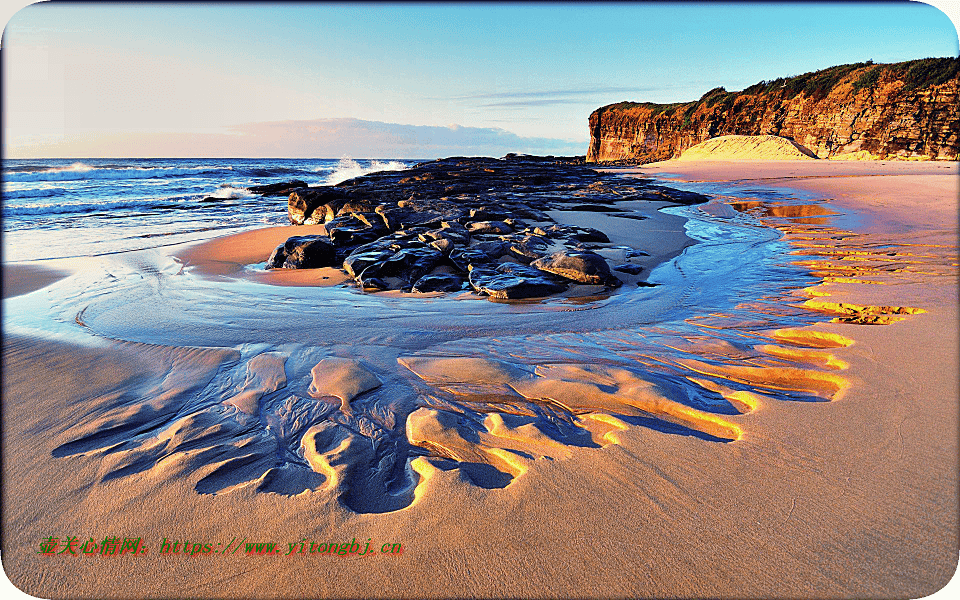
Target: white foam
[348, 168]
[52, 208]
[81, 171]
[228, 192]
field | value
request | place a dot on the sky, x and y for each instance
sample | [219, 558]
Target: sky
[403, 80]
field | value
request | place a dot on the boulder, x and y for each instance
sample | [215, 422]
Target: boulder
[581, 266]
[526, 248]
[488, 227]
[439, 282]
[311, 206]
[629, 268]
[478, 254]
[589, 234]
[511, 281]
[278, 189]
[303, 252]
[408, 264]
[395, 218]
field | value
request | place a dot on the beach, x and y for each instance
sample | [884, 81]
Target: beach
[768, 410]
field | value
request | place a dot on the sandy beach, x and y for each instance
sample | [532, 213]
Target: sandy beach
[826, 467]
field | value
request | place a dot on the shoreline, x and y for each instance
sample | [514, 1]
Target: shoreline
[854, 496]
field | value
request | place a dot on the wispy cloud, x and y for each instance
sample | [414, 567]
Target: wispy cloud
[526, 99]
[567, 93]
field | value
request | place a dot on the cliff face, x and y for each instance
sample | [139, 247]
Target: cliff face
[905, 110]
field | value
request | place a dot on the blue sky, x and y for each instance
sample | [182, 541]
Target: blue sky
[318, 79]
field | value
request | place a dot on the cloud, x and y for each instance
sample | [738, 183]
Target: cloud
[554, 93]
[317, 138]
[546, 97]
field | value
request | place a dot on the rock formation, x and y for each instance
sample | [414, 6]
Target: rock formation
[444, 225]
[902, 110]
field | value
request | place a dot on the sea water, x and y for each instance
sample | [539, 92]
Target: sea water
[63, 208]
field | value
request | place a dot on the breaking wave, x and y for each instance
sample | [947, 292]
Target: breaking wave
[348, 168]
[81, 171]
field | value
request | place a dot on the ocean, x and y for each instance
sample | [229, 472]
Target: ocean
[63, 208]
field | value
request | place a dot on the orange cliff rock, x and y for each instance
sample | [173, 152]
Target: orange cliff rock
[905, 110]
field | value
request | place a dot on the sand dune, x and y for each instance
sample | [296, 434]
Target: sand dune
[747, 147]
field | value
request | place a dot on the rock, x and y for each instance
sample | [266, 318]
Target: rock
[487, 213]
[314, 205]
[357, 263]
[348, 230]
[409, 264]
[443, 245]
[589, 234]
[510, 281]
[488, 227]
[628, 268]
[403, 218]
[278, 189]
[464, 258]
[303, 252]
[526, 248]
[439, 282]
[390, 230]
[581, 266]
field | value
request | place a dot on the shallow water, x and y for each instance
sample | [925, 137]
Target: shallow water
[463, 383]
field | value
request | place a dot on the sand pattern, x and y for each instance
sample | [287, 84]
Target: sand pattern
[371, 424]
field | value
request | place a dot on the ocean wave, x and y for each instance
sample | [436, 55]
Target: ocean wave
[81, 171]
[38, 193]
[275, 171]
[49, 209]
[228, 192]
[348, 168]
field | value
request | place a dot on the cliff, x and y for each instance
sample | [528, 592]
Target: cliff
[902, 110]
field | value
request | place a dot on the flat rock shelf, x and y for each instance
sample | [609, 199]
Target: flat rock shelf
[466, 223]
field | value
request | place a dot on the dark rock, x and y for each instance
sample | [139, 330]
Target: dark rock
[303, 252]
[465, 258]
[409, 264]
[443, 245]
[404, 218]
[278, 189]
[581, 266]
[510, 281]
[311, 206]
[357, 263]
[526, 248]
[390, 229]
[488, 227]
[589, 234]
[348, 230]
[439, 282]
[362, 205]
[486, 213]
[628, 268]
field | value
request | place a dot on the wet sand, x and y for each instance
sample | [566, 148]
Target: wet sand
[19, 279]
[844, 494]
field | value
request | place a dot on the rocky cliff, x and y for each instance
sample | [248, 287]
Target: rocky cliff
[902, 110]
